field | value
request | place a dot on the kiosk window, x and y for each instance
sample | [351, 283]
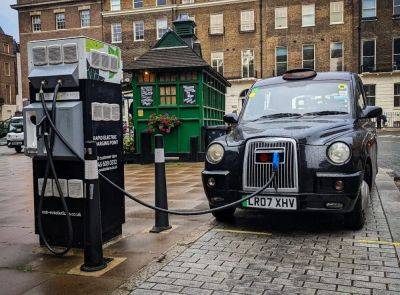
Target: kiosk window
[167, 95]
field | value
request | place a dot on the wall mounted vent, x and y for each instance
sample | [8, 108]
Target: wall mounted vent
[39, 55]
[105, 62]
[54, 54]
[95, 59]
[70, 53]
[113, 64]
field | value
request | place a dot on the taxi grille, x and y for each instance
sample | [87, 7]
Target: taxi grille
[255, 175]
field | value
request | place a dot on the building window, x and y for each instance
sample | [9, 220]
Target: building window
[396, 54]
[281, 58]
[8, 94]
[217, 61]
[336, 62]
[167, 94]
[137, 3]
[369, 90]
[336, 12]
[85, 18]
[308, 15]
[368, 8]
[309, 56]
[216, 24]
[162, 27]
[368, 55]
[187, 1]
[248, 63]
[7, 69]
[138, 31]
[115, 5]
[247, 20]
[281, 18]
[161, 2]
[396, 7]
[60, 21]
[116, 33]
[36, 23]
[396, 102]
[6, 48]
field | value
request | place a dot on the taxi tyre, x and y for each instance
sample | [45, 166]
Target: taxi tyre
[18, 149]
[355, 219]
[224, 215]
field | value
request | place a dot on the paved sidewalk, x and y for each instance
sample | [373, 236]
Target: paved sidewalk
[287, 255]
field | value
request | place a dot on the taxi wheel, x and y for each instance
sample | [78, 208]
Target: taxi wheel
[355, 219]
[224, 215]
[18, 149]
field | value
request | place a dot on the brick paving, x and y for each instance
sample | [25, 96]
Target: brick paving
[307, 258]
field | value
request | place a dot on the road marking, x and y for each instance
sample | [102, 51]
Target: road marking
[236, 231]
[395, 244]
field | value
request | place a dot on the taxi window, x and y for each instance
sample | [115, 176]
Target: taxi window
[301, 97]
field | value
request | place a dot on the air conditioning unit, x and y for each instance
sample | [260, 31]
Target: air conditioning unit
[54, 54]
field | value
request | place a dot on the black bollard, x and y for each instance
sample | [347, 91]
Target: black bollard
[161, 222]
[194, 148]
[93, 245]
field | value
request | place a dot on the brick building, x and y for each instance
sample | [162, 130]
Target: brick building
[380, 54]
[42, 19]
[8, 76]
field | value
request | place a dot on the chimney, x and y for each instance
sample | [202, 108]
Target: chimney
[184, 28]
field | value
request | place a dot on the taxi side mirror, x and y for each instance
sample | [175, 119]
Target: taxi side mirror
[371, 112]
[230, 118]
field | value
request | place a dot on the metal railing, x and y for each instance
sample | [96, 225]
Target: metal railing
[393, 119]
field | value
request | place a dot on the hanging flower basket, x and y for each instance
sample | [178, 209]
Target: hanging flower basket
[162, 123]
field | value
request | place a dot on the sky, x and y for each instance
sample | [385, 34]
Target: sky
[9, 18]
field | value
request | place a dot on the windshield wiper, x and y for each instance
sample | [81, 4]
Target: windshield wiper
[324, 113]
[277, 115]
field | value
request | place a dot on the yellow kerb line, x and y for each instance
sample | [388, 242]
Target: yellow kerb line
[236, 231]
[395, 244]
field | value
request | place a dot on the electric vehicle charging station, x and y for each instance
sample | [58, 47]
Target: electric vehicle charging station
[87, 74]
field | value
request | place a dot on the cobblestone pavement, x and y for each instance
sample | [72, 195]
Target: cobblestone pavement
[389, 151]
[284, 255]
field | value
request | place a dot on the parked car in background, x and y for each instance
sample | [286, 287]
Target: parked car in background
[15, 135]
[322, 130]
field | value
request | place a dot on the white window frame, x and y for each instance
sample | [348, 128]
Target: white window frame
[247, 20]
[331, 58]
[362, 51]
[83, 25]
[248, 64]
[137, 1]
[115, 5]
[340, 6]
[279, 18]
[114, 38]
[304, 14]
[59, 22]
[276, 58]
[302, 54]
[216, 24]
[369, 8]
[394, 6]
[37, 17]
[217, 56]
[187, 1]
[135, 37]
[158, 28]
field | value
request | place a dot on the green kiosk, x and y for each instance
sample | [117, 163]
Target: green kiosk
[176, 93]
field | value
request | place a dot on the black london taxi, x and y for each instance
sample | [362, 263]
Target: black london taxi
[322, 130]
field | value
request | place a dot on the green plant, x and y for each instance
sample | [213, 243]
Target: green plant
[162, 123]
[128, 144]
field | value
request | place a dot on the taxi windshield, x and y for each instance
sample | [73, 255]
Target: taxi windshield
[16, 125]
[300, 98]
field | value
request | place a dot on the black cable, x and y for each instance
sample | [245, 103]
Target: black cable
[173, 212]
[49, 145]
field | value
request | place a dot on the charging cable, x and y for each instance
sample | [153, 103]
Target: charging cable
[173, 212]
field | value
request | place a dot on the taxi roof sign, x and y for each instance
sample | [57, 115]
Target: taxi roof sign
[299, 74]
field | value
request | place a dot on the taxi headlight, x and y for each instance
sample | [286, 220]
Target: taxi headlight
[339, 153]
[215, 153]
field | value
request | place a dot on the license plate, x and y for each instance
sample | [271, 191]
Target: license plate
[271, 202]
[16, 143]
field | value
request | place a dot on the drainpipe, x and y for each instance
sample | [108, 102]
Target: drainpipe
[261, 38]
[359, 36]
